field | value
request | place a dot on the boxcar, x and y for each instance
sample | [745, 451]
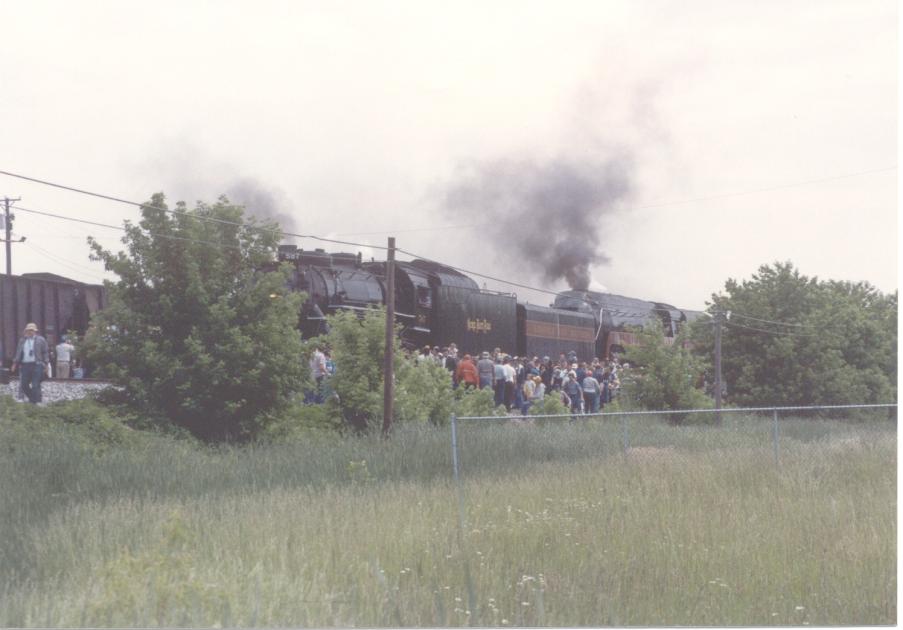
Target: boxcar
[56, 304]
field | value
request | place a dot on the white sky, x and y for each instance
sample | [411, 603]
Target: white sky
[358, 115]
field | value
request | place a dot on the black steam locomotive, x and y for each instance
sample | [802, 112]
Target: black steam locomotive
[437, 305]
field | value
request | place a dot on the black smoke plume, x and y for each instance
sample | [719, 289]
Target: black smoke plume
[543, 216]
[261, 202]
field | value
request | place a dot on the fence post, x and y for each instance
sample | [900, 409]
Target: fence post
[775, 436]
[626, 442]
[471, 591]
[454, 436]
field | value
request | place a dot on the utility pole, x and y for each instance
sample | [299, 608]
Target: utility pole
[389, 364]
[8, 224]
[718, 319]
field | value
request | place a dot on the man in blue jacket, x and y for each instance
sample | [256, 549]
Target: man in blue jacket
[32, 355]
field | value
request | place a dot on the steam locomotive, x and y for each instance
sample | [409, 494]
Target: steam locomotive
[437, 305]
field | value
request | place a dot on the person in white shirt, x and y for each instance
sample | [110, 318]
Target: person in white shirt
[64, 351]
[510, 376]
[318, 371]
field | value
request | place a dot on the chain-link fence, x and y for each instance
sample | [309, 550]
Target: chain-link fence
[757, 516]
[696, 433]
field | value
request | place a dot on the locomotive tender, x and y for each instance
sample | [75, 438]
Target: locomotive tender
[437, 305]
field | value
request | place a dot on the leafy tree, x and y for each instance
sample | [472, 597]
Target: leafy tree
[357, 344]
[195, 332]
[792, 340]
[662, 376]
[423, 392]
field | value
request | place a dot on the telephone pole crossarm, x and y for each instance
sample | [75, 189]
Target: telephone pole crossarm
[8, 228]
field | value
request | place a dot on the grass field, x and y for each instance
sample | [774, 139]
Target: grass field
[691, 526]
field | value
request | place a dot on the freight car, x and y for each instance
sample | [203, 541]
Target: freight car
[437, 305]
[56, 304]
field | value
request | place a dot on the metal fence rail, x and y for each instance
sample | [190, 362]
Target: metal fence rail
[623, 417]
[670, 411]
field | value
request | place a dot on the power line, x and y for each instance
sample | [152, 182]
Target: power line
[190, 240]
[774, 332]
[659, 205]
[624, 314]
[644, 207]
[122, 229]
[353, 244]
[768, 321]
[423, 229]
[766, 189]
[182, 213]
[65, 262]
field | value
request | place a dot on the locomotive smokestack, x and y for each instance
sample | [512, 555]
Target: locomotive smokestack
[545, 216]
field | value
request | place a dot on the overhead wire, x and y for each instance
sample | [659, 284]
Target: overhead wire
[73, 266]
[58, 216]
[183, 213]
[384, 248]
[662, 204]
[768, 321]
[616, 312]
[772, 332]
[122, 229]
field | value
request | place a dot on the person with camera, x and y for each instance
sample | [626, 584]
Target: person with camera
[32, 354]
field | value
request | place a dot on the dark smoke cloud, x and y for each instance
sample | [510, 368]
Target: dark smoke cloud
[264, 203]
[543, 216]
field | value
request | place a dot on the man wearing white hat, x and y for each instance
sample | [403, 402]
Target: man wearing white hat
[32, 355]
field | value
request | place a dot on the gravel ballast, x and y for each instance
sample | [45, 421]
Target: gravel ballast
[55, 391]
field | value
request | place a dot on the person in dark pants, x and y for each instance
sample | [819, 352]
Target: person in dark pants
[575, 393]
[32, 355]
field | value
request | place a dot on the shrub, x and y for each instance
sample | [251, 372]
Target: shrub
[476, 402]
[299, 420]
[83, 422]
[551, 405]
[358, 348]
[423, 392]
[662, 377]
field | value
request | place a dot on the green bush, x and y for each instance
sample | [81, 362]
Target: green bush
[299, 420]
[551, 405]
[358, 349]
[663, 377]
[423, 392]
[476, 402]
[85, 422]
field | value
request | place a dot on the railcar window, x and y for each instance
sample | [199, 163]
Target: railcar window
[424, 297]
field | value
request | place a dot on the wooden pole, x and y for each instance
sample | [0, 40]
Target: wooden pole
[8, 225]
[389, 363]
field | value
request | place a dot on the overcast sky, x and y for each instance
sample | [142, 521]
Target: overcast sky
[740, 132]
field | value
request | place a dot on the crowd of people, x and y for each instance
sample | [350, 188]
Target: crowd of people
[518, 383]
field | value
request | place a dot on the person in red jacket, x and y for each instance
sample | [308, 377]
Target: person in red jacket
[467, 372]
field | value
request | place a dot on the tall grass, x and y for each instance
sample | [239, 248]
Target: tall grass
[689, 526]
